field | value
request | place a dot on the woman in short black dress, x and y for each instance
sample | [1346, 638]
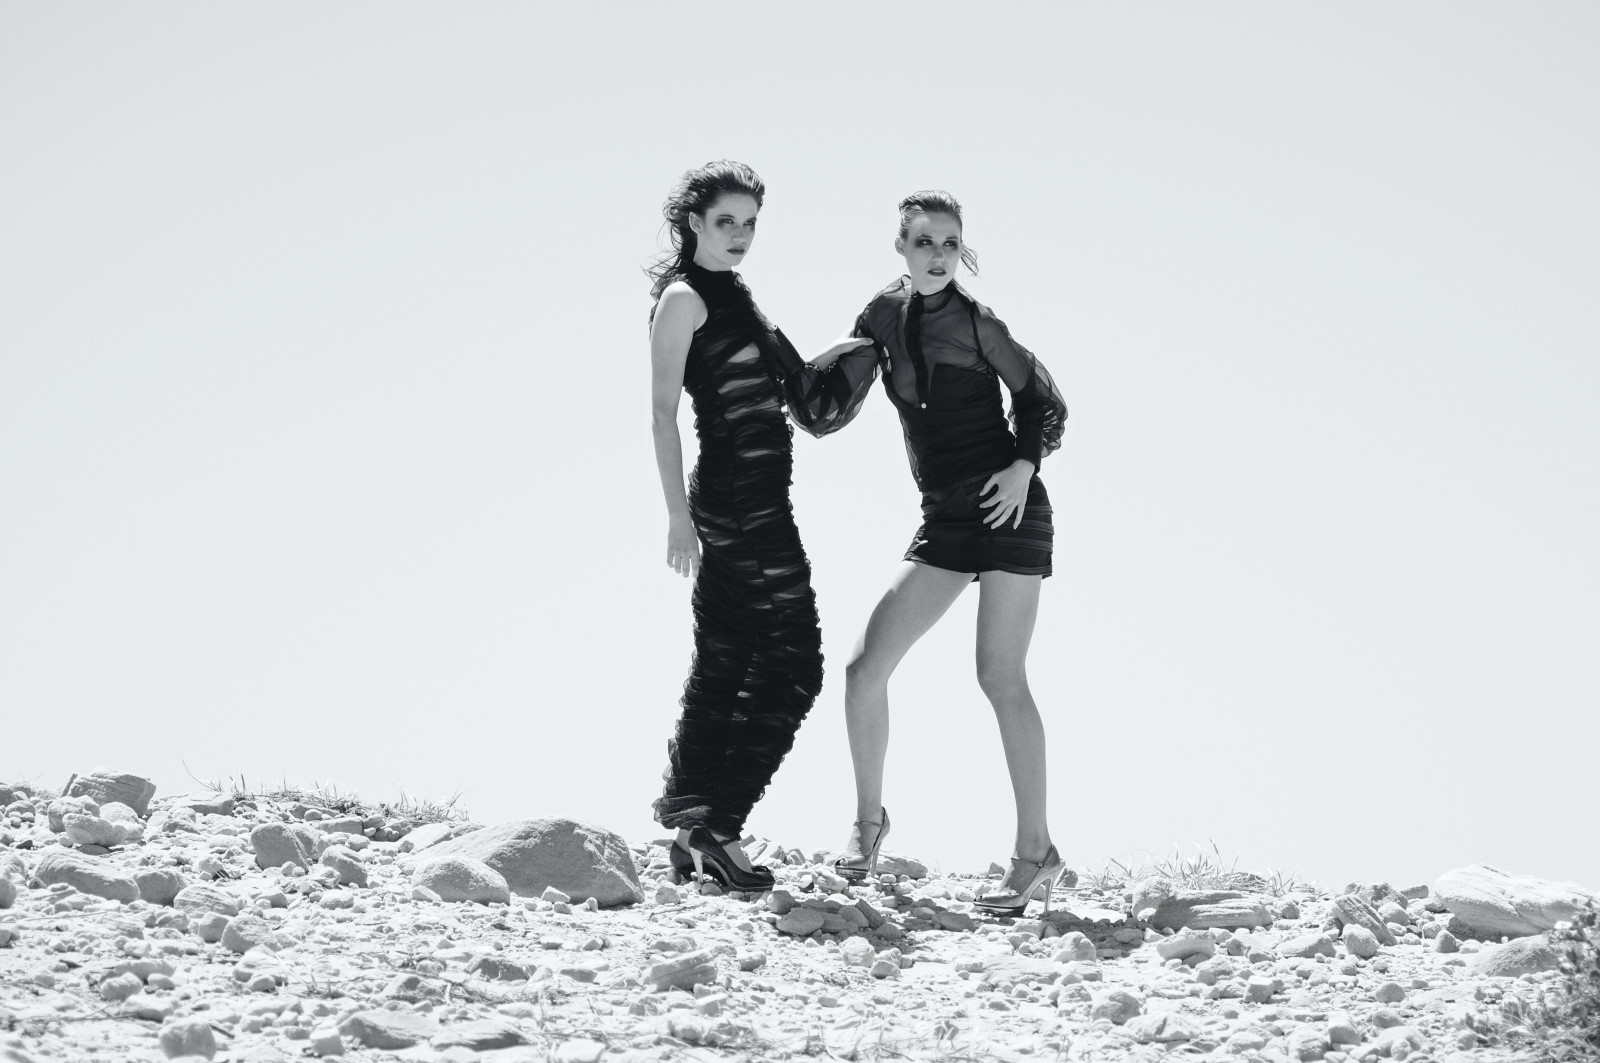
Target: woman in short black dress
[986, 515]
[757, 649]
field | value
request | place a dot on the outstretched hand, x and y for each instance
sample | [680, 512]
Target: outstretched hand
[683, 548]
[844, 346]
[1010, 487]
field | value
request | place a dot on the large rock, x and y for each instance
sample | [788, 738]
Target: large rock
[1527, 955]
[1183, 946]
[351, 871]
[1163, 1028]
[202, 897]
[1167, 907]
[277, 844]
[57, 811]
[159, 885]
[93, 830]
[188, 1037]
[389, 1029]
[8, 892]
[482, 1035]
[430, 834]
[1494, 902]
[684, 971]
[1359, 941]
[1350, 910]
[86, 874]
[249, 931]
[1118, 1005]
[461, 878]
[102, 785]
[500, 969]
[210, 804]
[1307, 945]
[576, 858]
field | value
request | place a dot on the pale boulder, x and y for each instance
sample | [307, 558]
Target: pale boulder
[351, 871]
[159, 885]
[430, 834]
[92, 830]
[1360, 941]
[1167, 906]
[579, 859]
[87, 874]
[1493, 902]
[277, 844]
[1185, 945]
[203, 898]
[461, 878]
[188, 1037]
[249, 931]
[1519, 956]
[132, 790]
[388, 1029]
[57, 811]
[1349, 909]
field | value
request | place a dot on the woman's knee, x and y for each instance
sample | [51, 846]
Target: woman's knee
[866, 671]
[1003, 684]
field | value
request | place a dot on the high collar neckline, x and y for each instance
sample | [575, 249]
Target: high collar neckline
[938, 300]
[711, 276]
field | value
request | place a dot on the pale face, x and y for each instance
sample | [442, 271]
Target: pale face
[725, 231]
[932, 249]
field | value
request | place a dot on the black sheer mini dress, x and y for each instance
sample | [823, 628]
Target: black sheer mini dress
[944, 358]
[757, 664]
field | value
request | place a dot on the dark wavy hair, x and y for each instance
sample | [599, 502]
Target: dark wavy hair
[935, 201]
[694, 193]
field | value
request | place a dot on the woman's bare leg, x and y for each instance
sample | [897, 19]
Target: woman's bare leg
[1008, 605]
[914, 602]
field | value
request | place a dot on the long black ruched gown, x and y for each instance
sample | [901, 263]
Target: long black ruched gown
[757, 647]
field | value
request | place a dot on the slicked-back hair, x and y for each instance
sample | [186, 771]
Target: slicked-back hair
[936, 201]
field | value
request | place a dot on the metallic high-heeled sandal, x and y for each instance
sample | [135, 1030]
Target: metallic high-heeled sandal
[707, 856]
[851, 873]
[1014, 902]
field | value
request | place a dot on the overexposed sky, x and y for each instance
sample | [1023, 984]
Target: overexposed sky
[324, 424]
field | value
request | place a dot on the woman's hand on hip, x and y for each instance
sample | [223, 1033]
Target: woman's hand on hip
[1010, 487]
[683, 547]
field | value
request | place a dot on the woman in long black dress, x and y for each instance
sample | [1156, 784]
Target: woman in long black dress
[757, 649]
[986, 516]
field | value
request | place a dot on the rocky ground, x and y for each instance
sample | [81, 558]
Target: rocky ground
[257, 929]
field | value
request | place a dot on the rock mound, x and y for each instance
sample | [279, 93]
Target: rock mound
[1494, 902]
[105, 786]
[579, 859]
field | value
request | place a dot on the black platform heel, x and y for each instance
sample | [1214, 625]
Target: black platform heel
[706, 856]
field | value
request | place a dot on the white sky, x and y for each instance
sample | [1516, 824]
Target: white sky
[324, 437]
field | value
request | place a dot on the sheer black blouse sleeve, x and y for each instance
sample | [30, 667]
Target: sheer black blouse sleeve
[825, 400]
[1038, 412]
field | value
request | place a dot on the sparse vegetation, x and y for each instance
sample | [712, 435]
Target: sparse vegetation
[1562, 1024]
[1204, 869]
[328, 796]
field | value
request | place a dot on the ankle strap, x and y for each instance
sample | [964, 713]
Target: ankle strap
[1048, 853]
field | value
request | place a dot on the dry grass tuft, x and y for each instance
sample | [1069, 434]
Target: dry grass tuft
[328, 796]
[1204, 869]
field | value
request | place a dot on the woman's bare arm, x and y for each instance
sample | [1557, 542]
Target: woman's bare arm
[678, 314]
